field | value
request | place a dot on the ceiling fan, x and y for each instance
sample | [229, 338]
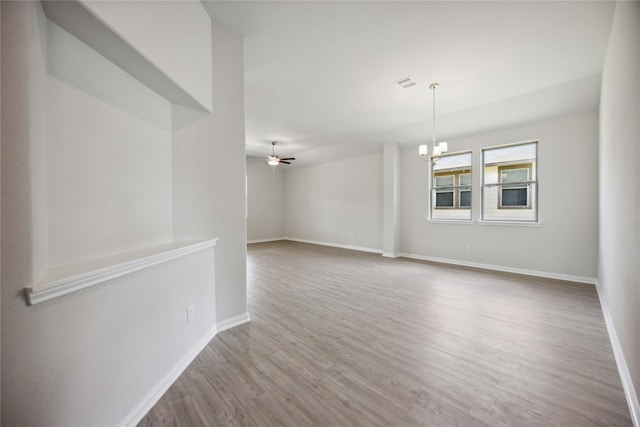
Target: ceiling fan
[274, 160]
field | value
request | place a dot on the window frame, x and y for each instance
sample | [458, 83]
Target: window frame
[532, 200]
[456, 189]
[460, 190]
[515, 185]
[446, 189]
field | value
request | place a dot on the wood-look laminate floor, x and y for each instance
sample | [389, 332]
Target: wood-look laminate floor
[344, 338]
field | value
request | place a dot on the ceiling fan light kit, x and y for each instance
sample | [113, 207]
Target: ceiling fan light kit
[274, 160]
[437, 151]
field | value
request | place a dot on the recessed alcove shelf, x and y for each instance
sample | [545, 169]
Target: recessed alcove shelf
[63, 280]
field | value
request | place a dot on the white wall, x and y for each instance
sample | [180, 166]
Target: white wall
[265, 200]
[619, 250]
[109, 152]
[173, 35]
[209, 173]
[329, 203]
[566, 242]
[77, 135]
[24, 162]
[338, 203]
[0, 219]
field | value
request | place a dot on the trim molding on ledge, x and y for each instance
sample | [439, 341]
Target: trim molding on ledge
[119, 266]
[336, 245]
[536, 273]
[623, 369]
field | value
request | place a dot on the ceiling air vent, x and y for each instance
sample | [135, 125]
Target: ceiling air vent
[406, 82]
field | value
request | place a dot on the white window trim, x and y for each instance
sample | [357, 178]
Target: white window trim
[525, 185]
[511, 223]
[460, 190]
[450, 221]
[446, 189]
[502, 223]
[430, 206]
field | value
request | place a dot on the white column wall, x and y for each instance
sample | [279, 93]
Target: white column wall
[209, 173]
[619, 250]
[391, 199]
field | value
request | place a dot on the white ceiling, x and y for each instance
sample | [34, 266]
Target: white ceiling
[320, 76]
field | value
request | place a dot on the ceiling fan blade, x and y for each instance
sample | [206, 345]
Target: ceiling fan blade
[281, 161]
[288, 158]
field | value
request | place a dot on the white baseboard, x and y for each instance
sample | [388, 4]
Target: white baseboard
[336, 245]
[390, 255]
[623, 369]
[536, 273]
[152, 397]
[225, 324]
[275, 239]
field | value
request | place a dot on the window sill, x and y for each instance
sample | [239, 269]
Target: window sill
[512, 223]
[450, 221]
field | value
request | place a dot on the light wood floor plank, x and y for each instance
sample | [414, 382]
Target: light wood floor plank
[345, 338]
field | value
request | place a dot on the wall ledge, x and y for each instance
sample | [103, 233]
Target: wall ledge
[66, 279]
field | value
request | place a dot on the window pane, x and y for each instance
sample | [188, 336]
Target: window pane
[514, 197]
[465, 198]
[444, 199]
[512, 153]
[515, 175]
[444, 181]
[455, 161]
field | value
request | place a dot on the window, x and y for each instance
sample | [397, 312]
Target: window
[444, 191]
[509, 183]
[451, 187]
[513, 194]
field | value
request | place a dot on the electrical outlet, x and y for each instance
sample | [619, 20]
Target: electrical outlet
[190, 311]
[468, 248]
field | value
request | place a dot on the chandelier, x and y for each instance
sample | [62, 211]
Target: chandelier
[437, 150]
